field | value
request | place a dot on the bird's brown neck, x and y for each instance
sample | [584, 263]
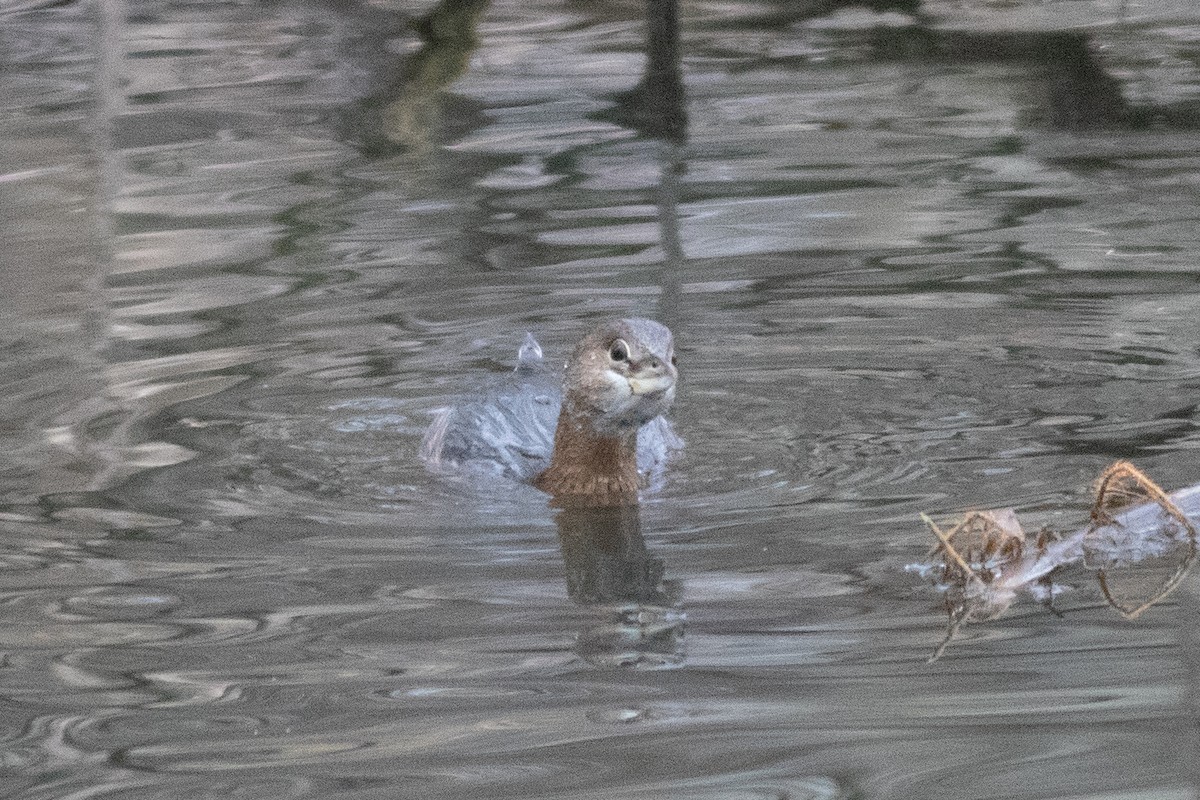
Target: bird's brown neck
[588, 468]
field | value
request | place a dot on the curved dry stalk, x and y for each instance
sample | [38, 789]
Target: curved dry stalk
[1171, 585]
[1113, 490]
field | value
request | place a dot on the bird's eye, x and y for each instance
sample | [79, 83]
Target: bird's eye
[619, 351]
[674, 361]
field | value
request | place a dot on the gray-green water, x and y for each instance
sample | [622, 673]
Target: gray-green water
[912, 262]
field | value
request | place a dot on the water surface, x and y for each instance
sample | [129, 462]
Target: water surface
[914, 262]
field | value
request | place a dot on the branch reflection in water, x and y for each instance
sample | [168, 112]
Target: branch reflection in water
[639, 622]
[449, 39]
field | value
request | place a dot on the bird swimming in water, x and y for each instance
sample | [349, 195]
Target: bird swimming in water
[608, 429]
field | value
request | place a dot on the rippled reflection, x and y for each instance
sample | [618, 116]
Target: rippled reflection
[641, 620]
[917, 257]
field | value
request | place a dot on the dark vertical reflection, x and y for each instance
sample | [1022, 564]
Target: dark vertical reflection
[110, 103]
[657, 109]
[667, 208]
[58, 220]
[640, 622]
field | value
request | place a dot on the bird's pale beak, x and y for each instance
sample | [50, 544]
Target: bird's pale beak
[651, 385]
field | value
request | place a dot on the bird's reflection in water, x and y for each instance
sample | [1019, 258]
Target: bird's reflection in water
[639, 622]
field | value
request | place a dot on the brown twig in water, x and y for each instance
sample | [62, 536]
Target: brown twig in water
[951, 632]
[1112, 492]
[975, 553]
[985, 558]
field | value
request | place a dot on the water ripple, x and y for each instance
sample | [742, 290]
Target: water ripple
[912, 264]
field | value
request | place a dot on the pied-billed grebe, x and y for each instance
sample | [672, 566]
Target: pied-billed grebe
[618, 382]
